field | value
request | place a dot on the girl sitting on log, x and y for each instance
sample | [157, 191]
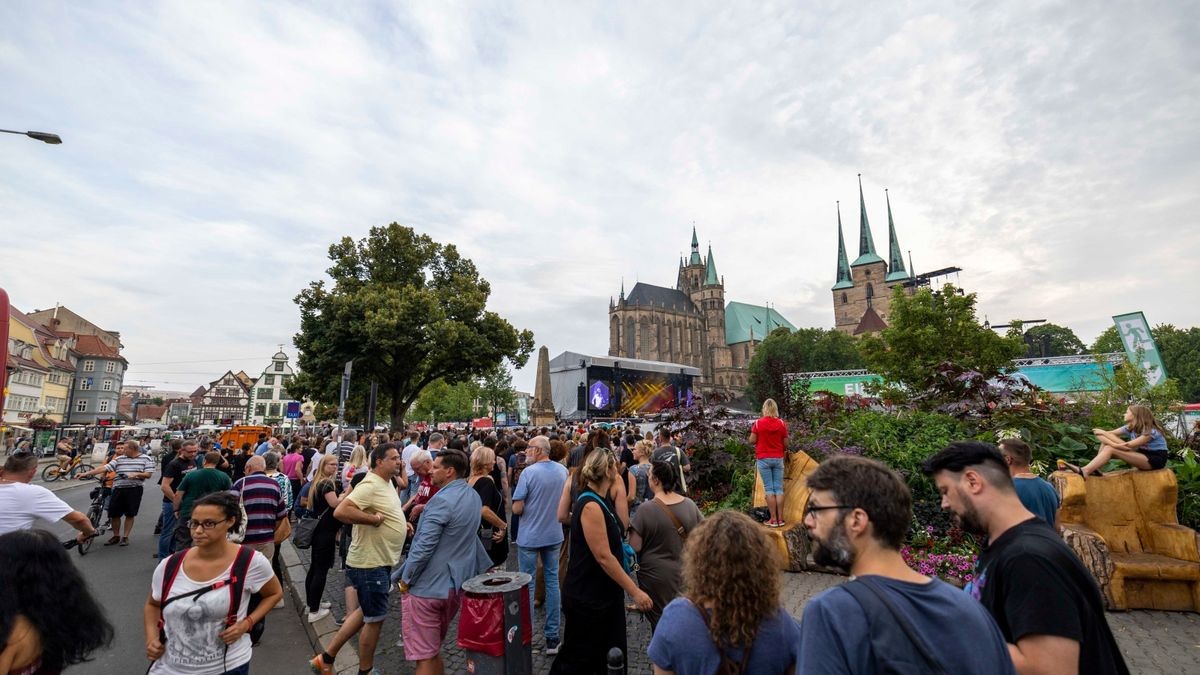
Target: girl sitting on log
[1143, 447]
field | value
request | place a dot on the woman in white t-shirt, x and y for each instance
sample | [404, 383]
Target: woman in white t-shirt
[195, 618]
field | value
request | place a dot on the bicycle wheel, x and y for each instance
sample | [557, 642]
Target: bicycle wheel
[85, 546]
[84, 468]
[95, 514]
[51, 473]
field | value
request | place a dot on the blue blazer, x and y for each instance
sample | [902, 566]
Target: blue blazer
[446, 550]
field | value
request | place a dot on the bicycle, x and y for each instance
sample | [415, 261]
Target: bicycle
[55, 471]
[95, 514]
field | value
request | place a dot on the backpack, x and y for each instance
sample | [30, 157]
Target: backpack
[628, 557]
[235, 583]
[518, 467]
[897, 647]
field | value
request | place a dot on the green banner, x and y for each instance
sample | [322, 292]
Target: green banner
[1135, 335]
[841, 385]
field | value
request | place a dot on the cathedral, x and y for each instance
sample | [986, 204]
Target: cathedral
[864, 287]
[692, 325]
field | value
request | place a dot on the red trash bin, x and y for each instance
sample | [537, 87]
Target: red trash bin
[495, 606]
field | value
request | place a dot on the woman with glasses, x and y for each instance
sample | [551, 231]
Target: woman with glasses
[194, 611]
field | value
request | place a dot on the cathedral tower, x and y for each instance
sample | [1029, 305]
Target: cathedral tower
[863, 288]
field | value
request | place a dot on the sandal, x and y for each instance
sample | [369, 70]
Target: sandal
[1072, 468]
[113, 540]
[124, 541]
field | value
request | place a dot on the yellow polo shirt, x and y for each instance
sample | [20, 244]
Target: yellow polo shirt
[377, 546]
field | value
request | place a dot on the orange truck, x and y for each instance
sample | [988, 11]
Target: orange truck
[234, 438]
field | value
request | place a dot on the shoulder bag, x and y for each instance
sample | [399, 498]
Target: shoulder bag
[629, 559]
[679, 529]
[884, 621]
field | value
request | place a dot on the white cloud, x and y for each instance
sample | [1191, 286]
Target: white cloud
[213, 151]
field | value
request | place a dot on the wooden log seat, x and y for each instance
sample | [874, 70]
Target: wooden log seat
[791, 540]
[1122, 525]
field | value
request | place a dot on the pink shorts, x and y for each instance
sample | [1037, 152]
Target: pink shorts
[425, 622]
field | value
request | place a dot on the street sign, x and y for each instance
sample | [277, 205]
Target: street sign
[1135, 335]
[293, 410]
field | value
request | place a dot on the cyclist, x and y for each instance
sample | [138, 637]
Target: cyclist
[22, 503]
[65, 453]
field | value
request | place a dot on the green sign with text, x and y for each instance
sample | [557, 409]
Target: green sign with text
[1135, 335]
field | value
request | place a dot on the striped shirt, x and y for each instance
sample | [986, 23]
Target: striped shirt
[264, 507]
[344, 450]
[129, 466]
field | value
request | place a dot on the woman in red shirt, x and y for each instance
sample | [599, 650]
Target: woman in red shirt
[768, 435]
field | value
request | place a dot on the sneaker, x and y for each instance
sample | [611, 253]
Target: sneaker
[279, 605]
[319, 667]
[316, 616]
[551, 647]
[326, 605]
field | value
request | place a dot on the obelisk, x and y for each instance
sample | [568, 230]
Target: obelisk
[542, 412]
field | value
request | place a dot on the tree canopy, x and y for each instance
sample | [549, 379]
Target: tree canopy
[407, 311]
[1057, 340]
[441, 402]
[496, 390]
[1179, 348]
[930, 328]
[803, 350]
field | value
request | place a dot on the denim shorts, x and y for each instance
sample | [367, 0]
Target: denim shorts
[372, 585]
[771, 471]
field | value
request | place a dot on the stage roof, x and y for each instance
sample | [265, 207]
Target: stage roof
[567, 361]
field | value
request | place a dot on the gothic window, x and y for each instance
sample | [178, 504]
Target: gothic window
[614, 335]
[644, 339]
[868, 272]
[845, 298]
[630, 338]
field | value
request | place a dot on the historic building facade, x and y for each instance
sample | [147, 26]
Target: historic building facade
[268, 394]
[692, 325]
[224, 401]
[864, 287]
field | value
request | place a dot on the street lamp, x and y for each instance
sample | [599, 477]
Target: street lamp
[52, 139]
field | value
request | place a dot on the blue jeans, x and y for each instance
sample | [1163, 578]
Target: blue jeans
[372, 585]
[771, 471]
[168, 530]
[527, 559]
[243, 669]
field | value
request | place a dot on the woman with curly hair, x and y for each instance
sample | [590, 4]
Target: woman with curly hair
[593, 601]
[38, 580]
[731, 594]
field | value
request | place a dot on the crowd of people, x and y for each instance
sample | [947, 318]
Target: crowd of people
[601, 521]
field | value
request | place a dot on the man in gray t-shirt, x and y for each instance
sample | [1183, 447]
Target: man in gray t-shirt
[673, 455]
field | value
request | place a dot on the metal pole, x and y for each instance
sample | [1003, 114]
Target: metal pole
[345, 392]
[371, 406]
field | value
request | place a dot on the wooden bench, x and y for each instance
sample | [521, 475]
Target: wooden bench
[1122, 525]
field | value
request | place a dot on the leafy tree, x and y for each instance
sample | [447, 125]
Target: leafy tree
[1058, 341]
[929, 328]
[1179, 348]
[496, 390]
[441, 402]
[803, 350]
[1107, 342]
[407, 311]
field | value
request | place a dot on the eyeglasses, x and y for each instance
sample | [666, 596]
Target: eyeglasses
[204, 524]
[809, 509]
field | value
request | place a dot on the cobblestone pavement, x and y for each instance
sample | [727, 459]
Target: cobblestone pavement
[1154, 643]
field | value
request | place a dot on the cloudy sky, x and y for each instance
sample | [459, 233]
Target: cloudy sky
[213, 151]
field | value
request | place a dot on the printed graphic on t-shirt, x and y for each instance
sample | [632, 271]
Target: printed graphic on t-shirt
[197, 623]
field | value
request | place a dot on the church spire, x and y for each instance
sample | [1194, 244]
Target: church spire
[695, 259]
[896, 271]
[866, 245]
[710, 269]
[622, 289]
[843, 267]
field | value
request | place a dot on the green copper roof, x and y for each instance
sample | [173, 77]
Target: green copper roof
[743, 320]
[844, 279]
[896, 271]
[710, 269]
[866, 245]
[695, 259]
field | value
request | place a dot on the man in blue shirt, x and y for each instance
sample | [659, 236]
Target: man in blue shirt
[858, 514]
[535, 500]
[1036, 494]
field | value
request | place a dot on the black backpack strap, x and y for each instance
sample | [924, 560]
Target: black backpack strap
[877, 605]
[174, 563]
[237, 582]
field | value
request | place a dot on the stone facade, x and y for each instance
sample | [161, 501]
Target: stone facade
[687, 325]
[863, 289]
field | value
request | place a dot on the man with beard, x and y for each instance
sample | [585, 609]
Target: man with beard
[858, 515]
[1046, 603]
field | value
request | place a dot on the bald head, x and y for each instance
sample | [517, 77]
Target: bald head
[256, 464]
[540, 445]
